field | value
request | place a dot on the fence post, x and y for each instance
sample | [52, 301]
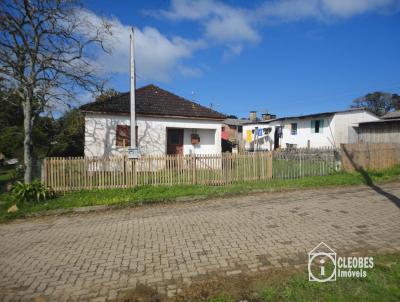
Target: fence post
[300, 172]
[194, 181]
[43, 172]
[270, 162]
[125, 176]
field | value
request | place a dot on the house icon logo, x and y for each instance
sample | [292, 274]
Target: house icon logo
[322, 264]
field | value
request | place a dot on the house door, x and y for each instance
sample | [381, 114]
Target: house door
[175, 141]
[276, 138]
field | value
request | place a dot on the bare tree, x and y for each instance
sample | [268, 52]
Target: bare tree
[46, 52]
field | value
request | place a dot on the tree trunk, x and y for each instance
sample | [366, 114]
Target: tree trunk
[27, 106]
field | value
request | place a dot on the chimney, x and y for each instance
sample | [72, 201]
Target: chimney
[265, 116]
[253, 116]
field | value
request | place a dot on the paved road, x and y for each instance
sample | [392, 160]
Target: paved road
[95, 256]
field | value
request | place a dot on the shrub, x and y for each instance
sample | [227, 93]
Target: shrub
[33, 192]
[19, 172]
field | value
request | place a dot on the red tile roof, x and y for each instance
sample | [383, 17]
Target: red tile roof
[152, 100]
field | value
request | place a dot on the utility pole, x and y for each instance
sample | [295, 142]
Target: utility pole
[133, 151]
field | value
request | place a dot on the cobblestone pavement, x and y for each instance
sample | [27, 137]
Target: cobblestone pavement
[96, 256]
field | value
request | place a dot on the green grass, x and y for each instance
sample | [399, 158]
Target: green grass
[381, 284]
[152, 194]
[288, 284]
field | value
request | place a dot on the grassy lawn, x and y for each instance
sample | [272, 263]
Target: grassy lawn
[152, 194]
[381, 284]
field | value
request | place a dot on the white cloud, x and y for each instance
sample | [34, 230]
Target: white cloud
[157, 56]
[227, 23]
[232, 51]
[190, 71]
[222, 24]
[293, 10]
[189, 9]
[341, 8]
[233, 27]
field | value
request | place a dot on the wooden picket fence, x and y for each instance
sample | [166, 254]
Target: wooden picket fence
[86, 173]
[369, 156]
[302, 162]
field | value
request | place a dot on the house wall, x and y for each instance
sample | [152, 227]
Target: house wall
[379, 133]
[100, 134]
[345, 124]
[337, 129]
[304, 134]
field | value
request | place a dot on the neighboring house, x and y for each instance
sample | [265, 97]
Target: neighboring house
[232, 133]
[328, 129]
[386, 130]
[166, 124]
[392, 115]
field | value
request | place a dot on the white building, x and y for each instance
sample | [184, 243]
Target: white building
[166, 124]
[328, 129]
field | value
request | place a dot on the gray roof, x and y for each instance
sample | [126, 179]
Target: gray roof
[314, 115]
[386, 121]
[235, 122]
[393, 114]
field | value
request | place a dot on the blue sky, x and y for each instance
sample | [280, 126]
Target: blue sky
[287, 57]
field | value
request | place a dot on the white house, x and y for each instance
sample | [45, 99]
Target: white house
[328, 129]
[165, 124]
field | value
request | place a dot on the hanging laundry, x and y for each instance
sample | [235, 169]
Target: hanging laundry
[260, 132]
[248, 136]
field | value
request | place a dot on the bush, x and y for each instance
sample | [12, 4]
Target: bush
[17, 173]
[33, 192]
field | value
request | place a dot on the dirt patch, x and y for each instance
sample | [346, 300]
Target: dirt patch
[244, 286]
[142, 293]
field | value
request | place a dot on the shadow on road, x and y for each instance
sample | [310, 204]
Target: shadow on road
[369, 182]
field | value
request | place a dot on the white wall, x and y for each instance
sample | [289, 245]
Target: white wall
[100, 134]
[304, 133]
[345, 123]
[337, 129]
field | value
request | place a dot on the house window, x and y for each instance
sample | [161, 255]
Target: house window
[240, 129]
[293, 128]
[123, 136]
[223, 129]
[316, 126]
[175, 136]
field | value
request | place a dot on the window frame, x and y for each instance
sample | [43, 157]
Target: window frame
[119, 141]
[317, 123]
[293, 131]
